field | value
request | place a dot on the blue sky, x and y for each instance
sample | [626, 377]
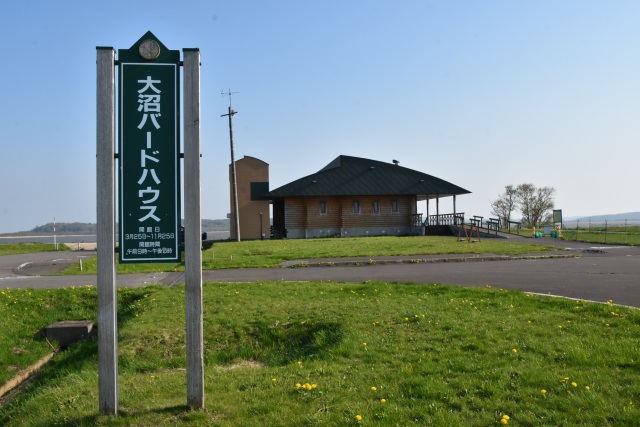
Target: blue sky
[480, 93]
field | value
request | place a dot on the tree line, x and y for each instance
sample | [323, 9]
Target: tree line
[535, 204]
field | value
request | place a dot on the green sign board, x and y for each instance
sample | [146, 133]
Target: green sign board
[557, 216]
[149, 153]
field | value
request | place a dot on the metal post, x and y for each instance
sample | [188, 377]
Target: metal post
[193, 229]
[106, 275]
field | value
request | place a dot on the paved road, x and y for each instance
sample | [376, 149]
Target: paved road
[598, 273]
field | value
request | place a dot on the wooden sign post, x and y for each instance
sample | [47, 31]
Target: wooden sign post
[150, 209]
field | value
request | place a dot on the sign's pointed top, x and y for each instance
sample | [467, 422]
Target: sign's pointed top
[149, 49]
[148, 36]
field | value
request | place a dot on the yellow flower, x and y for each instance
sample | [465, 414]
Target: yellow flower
[383, 400]
[359, 417]
[373, 388]
[274, 379]
[298, 385]
[364, 344]
[587, 387]
[504, 421]
[514, 350]
[506, 417]
[574, 384]
[543, 391]
[299, 362]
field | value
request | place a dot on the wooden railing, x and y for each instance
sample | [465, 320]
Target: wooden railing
[445, 219]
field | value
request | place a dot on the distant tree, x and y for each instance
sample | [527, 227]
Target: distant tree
[506, 203]
[535, 204]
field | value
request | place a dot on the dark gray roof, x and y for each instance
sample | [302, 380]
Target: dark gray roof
[355, 176]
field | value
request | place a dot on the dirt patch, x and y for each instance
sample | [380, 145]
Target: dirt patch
[91, 246]
[242, 364]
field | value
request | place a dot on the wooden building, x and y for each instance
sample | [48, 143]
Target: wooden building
[252, 178]
[352, 196]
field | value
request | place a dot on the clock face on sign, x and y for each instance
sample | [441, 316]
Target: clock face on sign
[149, 49]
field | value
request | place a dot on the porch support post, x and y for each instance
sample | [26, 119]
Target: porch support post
[428, 223]
[455, 219]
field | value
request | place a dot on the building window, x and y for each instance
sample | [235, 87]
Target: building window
[356, 207]
[394, 206]
[323, 208]
[376, 207]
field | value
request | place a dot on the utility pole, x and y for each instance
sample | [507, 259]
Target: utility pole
[234, 183]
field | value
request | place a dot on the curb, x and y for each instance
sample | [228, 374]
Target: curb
[302, 264]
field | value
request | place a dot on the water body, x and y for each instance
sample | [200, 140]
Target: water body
[64, 238]
[83, 238]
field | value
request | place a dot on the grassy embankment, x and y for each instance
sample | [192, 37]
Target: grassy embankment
[27, 248]
[271, 253]
[323, 354]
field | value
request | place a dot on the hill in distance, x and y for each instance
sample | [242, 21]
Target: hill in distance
[629, 216]
[90, 228]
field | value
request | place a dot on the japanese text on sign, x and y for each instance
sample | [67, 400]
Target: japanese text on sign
[149, 188]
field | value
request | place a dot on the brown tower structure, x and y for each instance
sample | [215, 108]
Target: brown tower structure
[252, 177]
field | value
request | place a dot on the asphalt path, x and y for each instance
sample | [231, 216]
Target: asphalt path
[582, 271]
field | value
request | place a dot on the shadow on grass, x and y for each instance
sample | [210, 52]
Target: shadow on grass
[278, 345]
[128, 417]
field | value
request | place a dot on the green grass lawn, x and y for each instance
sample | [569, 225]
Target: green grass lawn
[26, 248]
[609, 237]
[325, 354]
[271, 253]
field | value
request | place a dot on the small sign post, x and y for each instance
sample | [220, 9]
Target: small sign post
[557, 217]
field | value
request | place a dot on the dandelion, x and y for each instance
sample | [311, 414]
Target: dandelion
[364, 344]
[406, 319]
[383, 400]
[358, 417]
[298, 386]
[274, 379]
[299, 362]
[514, 350]
[373, 388]
[574, 384]
[587, 387]
[543, 391]
[505, 419]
